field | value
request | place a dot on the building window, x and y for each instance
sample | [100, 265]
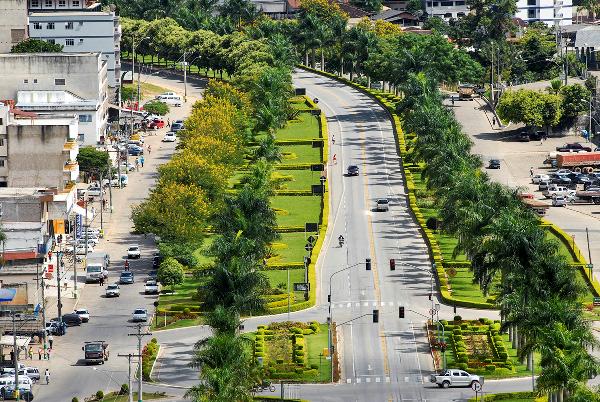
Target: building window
[459, 3]
[59, 81]
[25, 81]
[35, 3]
[37, 25]
[69, 42]
[75, 3]
[53, 41]
[80, 41]
[448, 15]
[1, 139]
[531, 2]
[35, 80]
[2, 162]
[50, 25]
[85, 118]
[62, 3]
[446, 4]
[69, 25]
[48, 3]
[530, 13]
[80, 137]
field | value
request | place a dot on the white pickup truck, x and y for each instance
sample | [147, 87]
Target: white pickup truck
[454, 378]
[558, 190]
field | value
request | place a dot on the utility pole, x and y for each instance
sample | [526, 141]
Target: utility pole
[139, 336]
[492, 77]
[58, 267]
[129, 356]
[16, 359]
[101, 203]
[184, 79]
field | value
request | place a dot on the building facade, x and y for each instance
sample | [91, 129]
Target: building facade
[43, 77]
[550, 12]
[13, 23]
[447, 9]
[81, 31]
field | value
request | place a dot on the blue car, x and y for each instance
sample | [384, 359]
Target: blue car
[134, 150]
[126, 277]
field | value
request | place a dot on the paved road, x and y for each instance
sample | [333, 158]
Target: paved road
[110, 318]
[517, 158]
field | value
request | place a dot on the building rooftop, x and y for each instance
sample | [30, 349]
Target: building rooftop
[39, 119]
[63, 100]
[71, 12]
[588, 37]
[30, 55]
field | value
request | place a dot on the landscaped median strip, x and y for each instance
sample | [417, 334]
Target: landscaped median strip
[386, 101]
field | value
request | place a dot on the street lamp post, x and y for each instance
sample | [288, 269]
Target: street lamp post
[133, 46]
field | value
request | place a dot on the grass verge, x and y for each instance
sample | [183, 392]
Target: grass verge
[296, 210]
[115, 397]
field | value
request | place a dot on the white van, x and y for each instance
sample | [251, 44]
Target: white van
[174, 100]
[9, 379]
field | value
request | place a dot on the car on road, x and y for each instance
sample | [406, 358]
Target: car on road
[383, 205]
[559, 200]
[151, 287]
[55, 328]
[156, 260]
[140, 314]
[113, 290]
[537, 178]
[574, 147]
[558, 190]
[93, 191]
[134, 150]
[80, 249]
[71, 319]
[126, 277]
[156, 124]
[169, 137]
[454, 378]
[133, 252]
[494, 164]
[353, 170]
[83, 313]
[177, 126]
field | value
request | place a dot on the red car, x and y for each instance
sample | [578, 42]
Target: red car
[156, 124]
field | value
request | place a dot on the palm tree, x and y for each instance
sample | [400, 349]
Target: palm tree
[268, 150]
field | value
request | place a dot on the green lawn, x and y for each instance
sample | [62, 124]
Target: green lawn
[296, 210]
[297, 154]
[278, 278]
[304, 126]
[315, 344]
[115, 397]
[185, 295]
[463, 286]
[290, 248]
[298, 103]
[297, 179]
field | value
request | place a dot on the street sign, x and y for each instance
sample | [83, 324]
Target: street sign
[311, 227]
[311, 239]
[431, 311]
[301, 287]
[596, 301]
[590, 266]
[308, 247]
[475, 386]
[451, 272]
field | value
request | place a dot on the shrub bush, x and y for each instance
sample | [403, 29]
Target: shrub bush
[457, 318]
[75, 399]
[488, 361]
[295, 330]
[299, 370]
[298, 360]
[464, 326]
[314, 366]
[259, 354]
[490, 367]
[503, 355]
[308, 332]
[462, 366]
[124, 389]
[279, 361]
[100, 394]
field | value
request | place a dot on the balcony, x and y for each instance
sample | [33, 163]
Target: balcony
[71, 171]
[72, 149]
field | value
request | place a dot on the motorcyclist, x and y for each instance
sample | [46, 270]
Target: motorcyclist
[126, 265]
[341, 240]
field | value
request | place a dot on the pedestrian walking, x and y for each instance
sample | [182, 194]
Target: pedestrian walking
[30, 353]
[40, 353]
[93, 211]
[137, 164]
[47, 375]
[104, 204]
[50, 340]
[168, 122]
[333, 139]
[149, 149]
[101, 280]
[531, 171]
[452, 100]
[142, 161]
[334, 159]
[48, 353]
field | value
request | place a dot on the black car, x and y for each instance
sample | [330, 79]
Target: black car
[494, 164]
[538, 135]
[523, 137]
[573, 147]
[71, 319]
[352, 170]
[175, 127]
[156, 260]
[561, 179]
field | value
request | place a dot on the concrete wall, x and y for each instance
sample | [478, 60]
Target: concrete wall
[88, 31]
[35, 156]
[13, 23]
[21, 209]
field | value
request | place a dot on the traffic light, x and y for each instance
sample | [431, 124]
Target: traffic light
[392, 264]
[368, 263]
[401, 312]
[375, 316]
[328, 298]
[429, 296]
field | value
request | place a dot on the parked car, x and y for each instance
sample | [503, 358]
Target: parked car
[559, 200]
[93, 191]
[83, 313]
[563, 171]
[353, 170]
[134, 150]
[536, 136]
[151, 287]
[544, 184]
[523, 137]
[71, 319]
[537, 178]
[494, 164]
[177, 126]
[126, 277]
[558, 190]
[156, 124]
[561, 179]
[133, 252]
[140, 314]
[454, 378]
[55, 328]
[127, 167]
[169, 137]
[113, 290]
[574, 147]
[383, 205]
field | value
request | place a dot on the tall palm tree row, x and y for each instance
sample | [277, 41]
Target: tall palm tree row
[537, 291]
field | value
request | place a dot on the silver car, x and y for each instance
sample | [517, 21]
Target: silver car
[383, 205]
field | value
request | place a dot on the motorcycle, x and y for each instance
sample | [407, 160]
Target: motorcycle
[263, 386]
[341, 240]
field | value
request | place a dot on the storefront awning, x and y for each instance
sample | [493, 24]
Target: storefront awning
[81, 211]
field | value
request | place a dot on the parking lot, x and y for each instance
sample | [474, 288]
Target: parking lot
[517, 158]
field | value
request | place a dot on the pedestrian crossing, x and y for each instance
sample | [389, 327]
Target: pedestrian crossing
[371, 303]
[374, 379]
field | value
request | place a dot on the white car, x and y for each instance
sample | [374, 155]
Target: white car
[454, 378]
[93, 191]
[151, 287]
[113, 290]
[169, 137]
[536, 178]
[127, 167]
[80, 249]
[83, 313]
[558, 190]
[140, 314]
[134, 252]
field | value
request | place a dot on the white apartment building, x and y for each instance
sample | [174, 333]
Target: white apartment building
[550, 12]
[447, 9]
[58, 83]
[82, 31]
[13, 23]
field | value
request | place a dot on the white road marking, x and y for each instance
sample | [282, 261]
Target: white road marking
[348, 380]
[368, 379]
[377, 379]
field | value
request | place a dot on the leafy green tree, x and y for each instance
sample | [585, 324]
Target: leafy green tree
[368, 5]
[488, 20]
[170, 273]
[239, 10]
[156, 107]
[36, 46]
[530, 107]
[92, 160]
[575, 99]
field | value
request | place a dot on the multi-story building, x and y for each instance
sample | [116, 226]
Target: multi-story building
[38, 150]
[550, 12]
[13, 23]
[447, 9]
[82, 31]
[62, 5]
[60, 83]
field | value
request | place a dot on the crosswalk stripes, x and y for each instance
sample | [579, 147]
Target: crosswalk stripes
[368, 380]
[364, 304]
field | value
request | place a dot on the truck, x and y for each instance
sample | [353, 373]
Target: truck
[95, 352]
[588, 196]
[454, 378]
[96, 266]
[466, 91]
[578, 161]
